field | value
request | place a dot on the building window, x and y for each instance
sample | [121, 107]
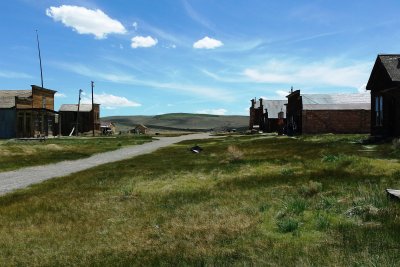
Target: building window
[378, 111]
[43, 102]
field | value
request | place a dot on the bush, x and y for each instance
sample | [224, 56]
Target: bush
[287, 172]
[296, 206]
[322, 222]
[234, 153]
[310, 189]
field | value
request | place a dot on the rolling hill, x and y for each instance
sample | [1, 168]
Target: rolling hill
[181, 122]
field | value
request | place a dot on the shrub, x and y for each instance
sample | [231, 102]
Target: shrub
[310, 189]
[327, 203]
[234, 153]
[287, 225]
[396, 143]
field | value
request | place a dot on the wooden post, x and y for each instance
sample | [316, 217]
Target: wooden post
[93, 109]
[77, 114]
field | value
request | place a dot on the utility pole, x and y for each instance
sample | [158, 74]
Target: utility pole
[77, 114]
[40, 57]
[92, 83]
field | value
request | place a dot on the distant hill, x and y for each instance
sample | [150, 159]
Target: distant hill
[181, 122]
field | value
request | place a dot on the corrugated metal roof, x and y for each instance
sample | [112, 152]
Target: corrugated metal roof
[274, 107]
[74, 107]
[354, 106]
[392, 66]
[322, 99]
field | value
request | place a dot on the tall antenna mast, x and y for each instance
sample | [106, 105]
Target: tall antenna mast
[40, 57]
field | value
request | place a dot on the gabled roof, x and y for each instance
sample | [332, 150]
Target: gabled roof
[74, 107]
[392, 66]
[274, 107]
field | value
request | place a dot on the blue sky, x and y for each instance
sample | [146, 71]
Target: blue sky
[151, 57]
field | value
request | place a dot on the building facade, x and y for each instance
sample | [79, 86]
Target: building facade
[384, 84]
[328, 113]
[27, 113]
[267, 115]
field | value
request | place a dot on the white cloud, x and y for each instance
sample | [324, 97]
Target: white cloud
[140, 41]
[362, 88]
[207, 43]
[110, 101]
[86, 21]
[60, 95]
[282, 93]
[329, 72]
[219, 111]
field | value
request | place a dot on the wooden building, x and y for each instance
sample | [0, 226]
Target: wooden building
[140, 129]
[69, 118]
[267, 115]
[107, 128]
[27, 113]
[384, 84]
[327, 113]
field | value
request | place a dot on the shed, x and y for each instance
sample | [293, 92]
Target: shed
[140, 129]
[69, 118]
[107, 128]
[384, 84]
[328, 113]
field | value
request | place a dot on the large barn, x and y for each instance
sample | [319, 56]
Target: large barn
[384, 84]
[267, 115]
[69, 118]
[27, 113]
[328, 113]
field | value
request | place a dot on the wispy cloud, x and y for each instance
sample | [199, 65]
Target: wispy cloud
[329, 72]
[218, 111]
[86, 21]
[123, 78]
[196, 16]
[207, 43]
[14, 75]
[141, 41]
[110, 101]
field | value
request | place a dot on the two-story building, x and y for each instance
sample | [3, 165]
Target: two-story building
[27, 113]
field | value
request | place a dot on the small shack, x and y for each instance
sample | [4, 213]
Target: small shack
[384, 84]
[267, 115]
[328, 113]
[27, 113]
[140, 129]
[69, 118]
[107, 128]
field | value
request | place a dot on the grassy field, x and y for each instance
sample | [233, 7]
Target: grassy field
[309, 201]
[15, 154]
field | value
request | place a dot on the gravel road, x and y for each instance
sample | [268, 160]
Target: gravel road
[24, 177]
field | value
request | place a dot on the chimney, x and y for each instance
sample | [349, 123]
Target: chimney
[253, 102]
[291, 89]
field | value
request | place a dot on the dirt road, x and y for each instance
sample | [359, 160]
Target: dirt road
[24, 177]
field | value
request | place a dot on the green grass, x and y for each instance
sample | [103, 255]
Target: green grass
[16, 154]
[230, 205]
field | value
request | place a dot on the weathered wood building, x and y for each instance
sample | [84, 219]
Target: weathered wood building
[384, 84]
[27, 113]
[69, 118]
[328, 113]
[267, 115]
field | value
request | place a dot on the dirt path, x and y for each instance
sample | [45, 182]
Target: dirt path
[21, 178]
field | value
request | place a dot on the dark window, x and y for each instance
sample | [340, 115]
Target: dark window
[43, 102]
[378, 111]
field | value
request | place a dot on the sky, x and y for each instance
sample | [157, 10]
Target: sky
[149, 57]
